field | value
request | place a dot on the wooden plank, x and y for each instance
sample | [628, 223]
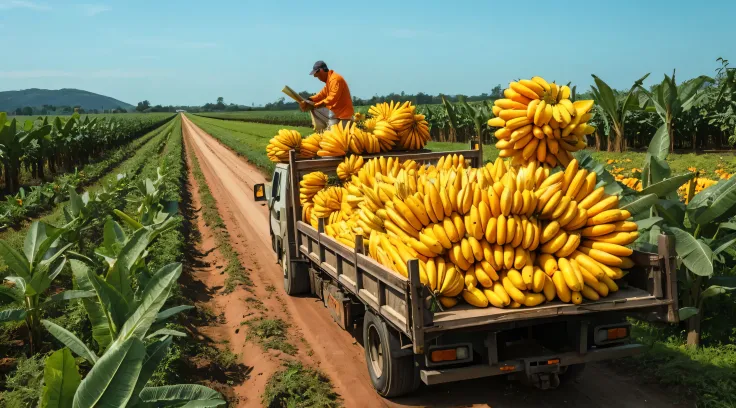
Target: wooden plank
[307, 229]
[464, 316]
[368, 298]
[417, 314]
[369, 265]
[397, 319]
[348, 283]
[336, 247]
[305, 165]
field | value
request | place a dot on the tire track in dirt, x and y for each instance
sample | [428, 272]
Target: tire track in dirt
[337, 353]
[230, 179]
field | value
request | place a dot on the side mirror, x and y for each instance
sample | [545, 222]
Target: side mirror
[259, 192]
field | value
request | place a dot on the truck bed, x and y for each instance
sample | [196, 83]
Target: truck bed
[403, 301]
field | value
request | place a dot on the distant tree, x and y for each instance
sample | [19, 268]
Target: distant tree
[119, 109]
[220, 105]
[27, 111]
[497, 92]
[220, 100]
[19, 111]
[143, 106]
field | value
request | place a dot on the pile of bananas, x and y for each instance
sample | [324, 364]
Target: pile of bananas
[278, 147]
[349, 167]
[538, 121]
[502, 235]
[392, 126]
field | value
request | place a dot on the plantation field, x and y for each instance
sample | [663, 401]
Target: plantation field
[250, 140]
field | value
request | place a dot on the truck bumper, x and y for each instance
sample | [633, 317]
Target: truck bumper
[551, 363]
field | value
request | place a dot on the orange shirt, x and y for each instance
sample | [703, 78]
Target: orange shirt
[335, 96]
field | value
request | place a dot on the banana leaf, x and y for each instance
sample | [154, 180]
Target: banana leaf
[153, 298]
[70, 340]
[695, 254]
[713, 203]
[182, 395]
[61, 379]
[667, 186]
[95, 313]
[112, 380]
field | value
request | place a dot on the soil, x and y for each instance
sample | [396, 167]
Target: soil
[320, 340]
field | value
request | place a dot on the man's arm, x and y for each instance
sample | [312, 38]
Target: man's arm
[321, 95]
[332, 92]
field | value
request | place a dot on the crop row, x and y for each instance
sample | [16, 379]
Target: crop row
[127, 230]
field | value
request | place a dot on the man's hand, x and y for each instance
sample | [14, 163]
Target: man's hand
[305, 106]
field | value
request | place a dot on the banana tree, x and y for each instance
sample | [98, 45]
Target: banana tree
[703, 229]
[32, 274]
[119, 376]
[479, 114]
[13, 142]
[615, 107]
[670, 101]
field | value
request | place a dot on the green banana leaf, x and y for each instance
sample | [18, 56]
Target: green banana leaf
[715, 202]
[667, 186]
[672, 211]
[70, 294]
[112, 380]
[15, 261]
[113, 302]
[715, 290]
[638, 204]
[70, 340]
[12, 315]
[687, 312]
[172, 311]
[119, 275]
[95, 313]
[190, 395]
[153, 298]
[695, 254]
[723, 244]
[155, 353]
[61, 379]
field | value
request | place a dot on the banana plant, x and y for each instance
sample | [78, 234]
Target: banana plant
[32, 274]
[615, 107]
[670, 101]
[703, 229]
[119, 376]
[479, 114]
[13, 142]
[124, 263]
[152, 208]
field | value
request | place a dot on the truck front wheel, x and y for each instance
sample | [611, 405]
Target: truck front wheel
[392, 370]
[296, 276]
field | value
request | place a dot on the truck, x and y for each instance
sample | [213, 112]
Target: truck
[407, 341]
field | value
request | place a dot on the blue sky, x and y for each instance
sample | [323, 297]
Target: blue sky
[191, 52]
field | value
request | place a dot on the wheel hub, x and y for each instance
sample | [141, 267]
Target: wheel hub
[375, 351]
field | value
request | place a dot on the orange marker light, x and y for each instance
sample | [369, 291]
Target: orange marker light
[444, 355]
[507, 368]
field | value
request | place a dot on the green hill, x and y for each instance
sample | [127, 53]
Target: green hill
[36, 98]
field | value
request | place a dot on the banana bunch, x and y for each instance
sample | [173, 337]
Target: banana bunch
[502, 235]
[384, 110]
[335, 142]
[350, 166]
[328, 203]
[363, 141]
[310, 146]
[278, 147]
[416, 135]
[538, 121]
[310, 185]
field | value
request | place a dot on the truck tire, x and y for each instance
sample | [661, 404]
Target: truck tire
[392, 370]
[296, 276]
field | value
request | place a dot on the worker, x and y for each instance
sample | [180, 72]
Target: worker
[335, 96]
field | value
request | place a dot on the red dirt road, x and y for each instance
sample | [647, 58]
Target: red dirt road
[336, 352]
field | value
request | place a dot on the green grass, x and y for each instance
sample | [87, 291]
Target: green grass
[297, 386]
[271, 335]
[707, 163]
[706, 374]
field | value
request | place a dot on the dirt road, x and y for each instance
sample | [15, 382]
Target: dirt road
[338, 353]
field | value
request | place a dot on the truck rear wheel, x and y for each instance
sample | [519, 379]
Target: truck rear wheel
[296, 276]
[391, 369]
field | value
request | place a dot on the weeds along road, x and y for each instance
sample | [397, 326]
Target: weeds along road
[338, 353]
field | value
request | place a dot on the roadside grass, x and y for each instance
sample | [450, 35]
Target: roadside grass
[297, 386]
[706, 374]
[270, 334]
[236, 273]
